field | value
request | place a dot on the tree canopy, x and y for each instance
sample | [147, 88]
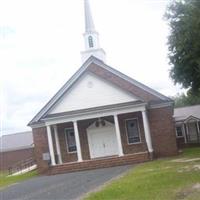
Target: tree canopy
[186, 100]
[184, 43]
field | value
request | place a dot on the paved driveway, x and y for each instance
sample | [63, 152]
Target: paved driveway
[61, 187]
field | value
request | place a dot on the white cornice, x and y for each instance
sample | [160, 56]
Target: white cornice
[95, 114]
[161, 105]
[37, 125]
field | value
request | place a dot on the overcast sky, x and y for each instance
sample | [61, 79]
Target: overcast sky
[41, 40]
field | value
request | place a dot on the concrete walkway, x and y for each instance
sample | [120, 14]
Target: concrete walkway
[61, 187]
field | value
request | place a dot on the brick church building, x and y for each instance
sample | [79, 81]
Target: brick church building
[101, 117]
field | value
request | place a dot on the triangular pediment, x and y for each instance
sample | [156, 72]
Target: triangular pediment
[91, 91]
[191, 119]
[75, 95]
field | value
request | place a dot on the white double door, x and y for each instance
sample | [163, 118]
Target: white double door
[102, 141]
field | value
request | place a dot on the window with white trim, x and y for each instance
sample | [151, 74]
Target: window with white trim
[70, 137]
[179, 131]
[132, 129]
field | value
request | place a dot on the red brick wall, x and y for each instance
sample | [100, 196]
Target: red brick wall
[10, 158]
[123, 84]
[163, 131]
[41, 146]
[180, 142]
[132, 148]
[99, 163]
[66, 156]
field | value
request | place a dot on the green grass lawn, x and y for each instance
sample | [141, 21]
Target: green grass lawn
[6, 180]
[165, 179]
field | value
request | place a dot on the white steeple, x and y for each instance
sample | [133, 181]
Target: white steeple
[91, 37]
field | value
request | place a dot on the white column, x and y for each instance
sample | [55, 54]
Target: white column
[147, 131]
[119, 141]
[187, 131]
[57, 144]
[184, 132]
[198, 128]
[50, 142]
[78, 146]
[198, 131]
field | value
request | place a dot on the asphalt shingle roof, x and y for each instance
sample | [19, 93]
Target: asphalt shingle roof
[16, 141]
[185, 112]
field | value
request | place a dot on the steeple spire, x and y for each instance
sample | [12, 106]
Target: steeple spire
[91, 37]
[89, 23]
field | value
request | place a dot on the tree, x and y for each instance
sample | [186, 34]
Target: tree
[184, 43]
[186, 100]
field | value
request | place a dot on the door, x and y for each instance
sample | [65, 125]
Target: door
[192, 132]
[102, 141]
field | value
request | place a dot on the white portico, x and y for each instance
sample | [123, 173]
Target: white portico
[112, 132]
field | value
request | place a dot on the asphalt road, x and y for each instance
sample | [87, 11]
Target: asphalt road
[61, 187]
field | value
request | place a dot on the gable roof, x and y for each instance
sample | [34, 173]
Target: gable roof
[100, 68]
[191, 118]
[16, 141]
[183, 113]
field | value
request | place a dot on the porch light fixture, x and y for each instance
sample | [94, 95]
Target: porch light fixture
[100, 122]
[97, 123]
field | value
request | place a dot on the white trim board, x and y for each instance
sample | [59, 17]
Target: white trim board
[94, 114]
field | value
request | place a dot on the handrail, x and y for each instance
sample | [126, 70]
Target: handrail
[21, 165]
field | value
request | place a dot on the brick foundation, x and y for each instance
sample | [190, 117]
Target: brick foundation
[181, 143]
[99, 163]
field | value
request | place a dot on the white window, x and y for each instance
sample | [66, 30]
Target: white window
[132, 129]
[179, 131]
[70, 139]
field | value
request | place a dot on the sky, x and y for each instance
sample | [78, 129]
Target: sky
[41, 41]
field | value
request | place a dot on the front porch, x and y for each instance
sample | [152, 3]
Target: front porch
[188, 132]
[99, 139]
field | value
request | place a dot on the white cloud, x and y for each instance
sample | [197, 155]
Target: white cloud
[41, 40]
